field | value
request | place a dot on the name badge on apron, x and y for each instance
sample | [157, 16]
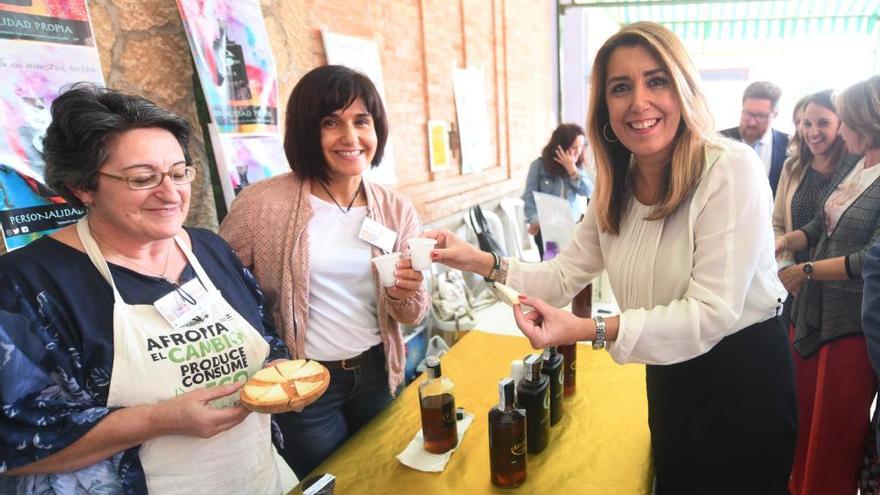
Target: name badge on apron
[378, 235]
[182, 304]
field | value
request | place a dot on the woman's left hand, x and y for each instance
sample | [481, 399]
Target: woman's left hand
[792, 277]
[408, 280]
[546, 325]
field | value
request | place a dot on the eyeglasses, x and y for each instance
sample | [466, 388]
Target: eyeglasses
[149, 180]
[760, 117]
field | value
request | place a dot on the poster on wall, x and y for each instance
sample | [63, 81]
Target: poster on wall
[363, 56]
[46, 20]
[234, 62]
[471, 109]
[245, 159]
[32, 74]
[438, 145]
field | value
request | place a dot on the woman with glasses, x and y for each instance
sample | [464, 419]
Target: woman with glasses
[835, 382]
[122, 352]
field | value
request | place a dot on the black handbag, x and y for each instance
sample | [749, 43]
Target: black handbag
[485, 238]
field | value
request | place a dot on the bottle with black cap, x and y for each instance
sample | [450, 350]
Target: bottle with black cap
[507, 439]
[553, 368]
[533, 395]
[438, 409]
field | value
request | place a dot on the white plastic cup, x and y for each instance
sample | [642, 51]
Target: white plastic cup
[420, 251]
[386, 264]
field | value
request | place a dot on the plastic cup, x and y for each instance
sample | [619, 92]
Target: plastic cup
[420, 251]
[386, 264]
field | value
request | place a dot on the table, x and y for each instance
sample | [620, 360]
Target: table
[601, 446]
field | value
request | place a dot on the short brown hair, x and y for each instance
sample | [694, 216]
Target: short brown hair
[318, 94]
[86, 119]
[859, 108]
[763, 90]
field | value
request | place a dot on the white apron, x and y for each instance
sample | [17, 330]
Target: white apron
[155, 361]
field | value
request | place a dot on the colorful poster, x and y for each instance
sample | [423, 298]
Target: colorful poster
[438, 145]
[56, 21]
[245, 159]
[32, 76]
[363, 56]
[471, 108]
[234, 62]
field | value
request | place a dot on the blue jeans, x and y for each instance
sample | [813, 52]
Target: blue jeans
[352, 399]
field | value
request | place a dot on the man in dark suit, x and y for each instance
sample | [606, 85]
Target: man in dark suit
[760, 105]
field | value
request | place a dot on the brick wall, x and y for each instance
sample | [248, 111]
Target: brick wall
[143, 49]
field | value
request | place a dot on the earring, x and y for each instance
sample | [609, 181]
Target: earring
[605, 134]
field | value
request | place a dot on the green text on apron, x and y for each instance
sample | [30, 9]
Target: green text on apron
[154, 361]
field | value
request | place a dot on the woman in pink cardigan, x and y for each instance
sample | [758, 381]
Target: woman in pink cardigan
[304, 234]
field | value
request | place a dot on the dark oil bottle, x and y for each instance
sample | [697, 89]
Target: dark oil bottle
[533, 395]
[438, 410]
[569, 364]
[507, 439]
[581, 306]
[552, 368]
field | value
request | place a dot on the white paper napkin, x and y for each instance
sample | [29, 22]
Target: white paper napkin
[416, 457]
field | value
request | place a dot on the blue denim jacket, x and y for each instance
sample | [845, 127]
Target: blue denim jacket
[539, 180]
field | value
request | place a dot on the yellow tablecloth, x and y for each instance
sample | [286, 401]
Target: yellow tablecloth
[601, 446]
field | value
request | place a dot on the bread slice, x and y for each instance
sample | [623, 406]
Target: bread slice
[506, 294]
[269, 375]
[288, 368]
[311, 368]
[275, 395]
[303, 389]
[254, 392]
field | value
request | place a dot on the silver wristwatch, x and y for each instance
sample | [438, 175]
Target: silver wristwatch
[599, 340]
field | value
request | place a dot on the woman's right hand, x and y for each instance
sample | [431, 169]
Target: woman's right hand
[546, 325]
[781, 245]
[191, 414]
[455, 252]
[566, 158]
[534, 228]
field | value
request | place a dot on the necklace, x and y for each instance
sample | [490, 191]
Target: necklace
[350, 203]
[149, 271]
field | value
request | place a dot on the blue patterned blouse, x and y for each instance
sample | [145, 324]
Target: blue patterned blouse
[56, 354]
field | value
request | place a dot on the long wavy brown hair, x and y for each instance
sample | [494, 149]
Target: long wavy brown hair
[695, 131]
[563, 136]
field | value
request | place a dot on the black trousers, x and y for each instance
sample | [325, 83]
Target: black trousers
[725, 422]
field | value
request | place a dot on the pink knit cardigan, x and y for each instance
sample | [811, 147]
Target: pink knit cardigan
[267, 228]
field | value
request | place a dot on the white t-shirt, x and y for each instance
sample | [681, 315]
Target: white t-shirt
[849, 189]
[683, 282]
[342, 293]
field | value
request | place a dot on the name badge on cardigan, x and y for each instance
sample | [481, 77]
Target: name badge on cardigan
[378, 235]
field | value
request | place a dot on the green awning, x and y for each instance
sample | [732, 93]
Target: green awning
[732, 20]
